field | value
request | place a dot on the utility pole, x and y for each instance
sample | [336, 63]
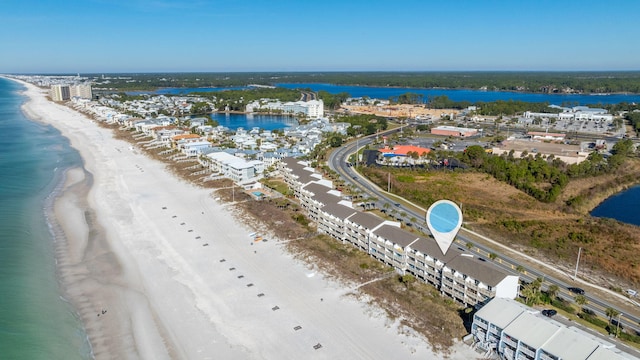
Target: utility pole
[389, 183]
[575, 274]
[618, 325]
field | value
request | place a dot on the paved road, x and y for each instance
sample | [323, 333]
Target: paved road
[338, 162]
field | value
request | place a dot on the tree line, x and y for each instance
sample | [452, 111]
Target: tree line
[535, 82]
[544, 178]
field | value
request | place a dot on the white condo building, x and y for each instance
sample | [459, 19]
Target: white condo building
[516, 331]
[239, 170]
[313, 109]
[60, 92]
[81, 91]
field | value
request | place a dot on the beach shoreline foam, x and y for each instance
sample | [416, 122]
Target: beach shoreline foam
[135, 265]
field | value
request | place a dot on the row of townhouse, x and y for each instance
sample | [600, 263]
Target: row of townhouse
[458, 274]
[516, 331]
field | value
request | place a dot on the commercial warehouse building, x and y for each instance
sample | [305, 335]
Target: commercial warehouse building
[454, 131]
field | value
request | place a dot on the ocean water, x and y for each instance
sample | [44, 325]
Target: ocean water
[623, 207]
[35, 320]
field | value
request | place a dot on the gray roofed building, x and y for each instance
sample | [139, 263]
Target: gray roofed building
[516, 331]
[428, 246]
[338, 210]
[531, 330]
[477, 268]
[569, 344]
[396, 235]
[608, 354]
[366, 220]
[501, 312]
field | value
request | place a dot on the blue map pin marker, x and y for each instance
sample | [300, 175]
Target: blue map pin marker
[444, 219]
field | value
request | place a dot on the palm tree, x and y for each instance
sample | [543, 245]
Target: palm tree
[611, 313]
[469, 245]
[552, 291]
[386, 206]
[493, 256]
[580, 300]
[531, 293]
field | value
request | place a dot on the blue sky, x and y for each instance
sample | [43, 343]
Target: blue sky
[329, 35]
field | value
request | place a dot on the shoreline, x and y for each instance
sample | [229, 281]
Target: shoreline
[177, 276]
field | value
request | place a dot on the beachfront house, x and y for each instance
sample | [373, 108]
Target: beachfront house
[239, 170]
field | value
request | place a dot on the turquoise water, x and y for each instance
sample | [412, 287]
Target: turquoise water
[35, 321]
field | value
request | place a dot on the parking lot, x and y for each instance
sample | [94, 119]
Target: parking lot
[572, 126]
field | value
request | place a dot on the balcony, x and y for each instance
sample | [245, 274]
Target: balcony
[507, 340]
[509, 353]
[480, 324]
[530, 354]
[544, 356]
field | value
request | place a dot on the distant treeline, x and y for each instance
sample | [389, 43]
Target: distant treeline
[494, 108]
[534, 82]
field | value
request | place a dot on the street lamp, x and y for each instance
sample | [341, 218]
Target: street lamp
[618, 325]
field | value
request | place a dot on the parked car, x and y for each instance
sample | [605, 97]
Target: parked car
[615, 322]
[588, 311]
[576, 290]
[549, 312]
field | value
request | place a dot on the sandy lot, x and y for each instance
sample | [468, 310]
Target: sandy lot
[400, 110]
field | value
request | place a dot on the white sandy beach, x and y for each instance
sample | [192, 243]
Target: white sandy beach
[147, 288]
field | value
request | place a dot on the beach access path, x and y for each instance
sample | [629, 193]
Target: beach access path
[158, 269]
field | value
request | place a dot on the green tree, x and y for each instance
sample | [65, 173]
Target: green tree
[335, 140]
[475, 155]
[201, 108]
[611, 313]
[580, 300]
[552, 291]
[623, 147]
[531, 293]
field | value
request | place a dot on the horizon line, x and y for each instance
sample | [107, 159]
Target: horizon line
[315, 71]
